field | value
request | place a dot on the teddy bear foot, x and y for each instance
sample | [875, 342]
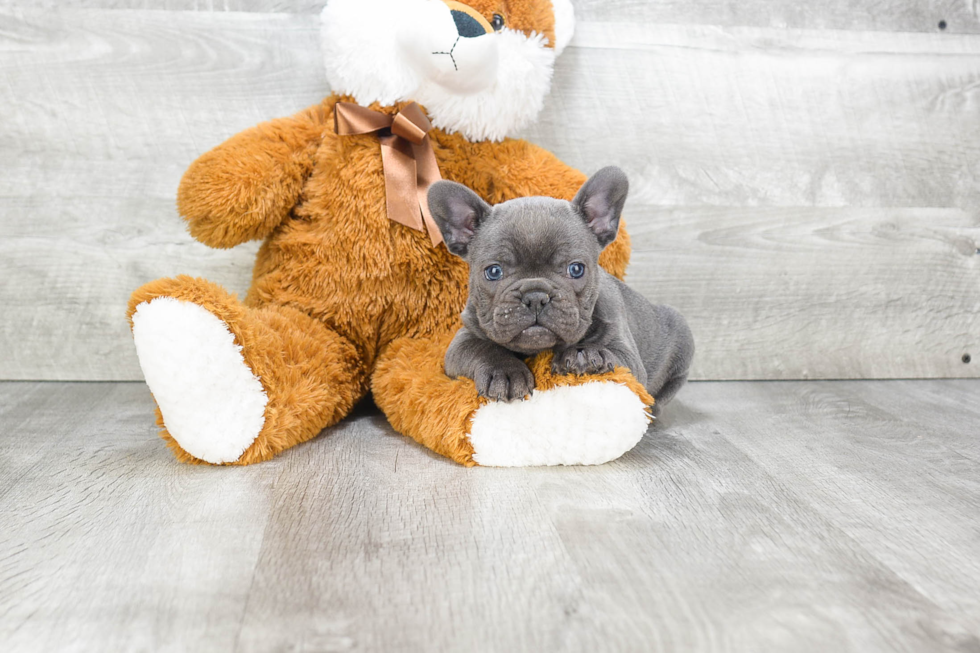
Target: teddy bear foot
[235, 383]
[211, 402]
[588, 424]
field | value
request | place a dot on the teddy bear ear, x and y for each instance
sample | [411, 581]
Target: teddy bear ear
[564, 24]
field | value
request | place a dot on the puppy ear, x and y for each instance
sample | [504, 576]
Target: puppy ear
[458, 211]
[600, 201]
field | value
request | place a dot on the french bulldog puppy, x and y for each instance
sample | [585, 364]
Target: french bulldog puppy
[536, 284]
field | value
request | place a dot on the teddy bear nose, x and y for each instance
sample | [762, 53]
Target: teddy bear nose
[536, 300]
[466, 25]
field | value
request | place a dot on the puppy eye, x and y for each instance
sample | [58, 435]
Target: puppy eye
[576, 270]
[493, 272]
[497, 23]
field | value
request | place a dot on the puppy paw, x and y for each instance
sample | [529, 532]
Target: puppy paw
[505, 382]
[584, 360]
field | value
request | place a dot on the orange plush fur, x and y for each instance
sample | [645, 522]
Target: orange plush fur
[343, 300]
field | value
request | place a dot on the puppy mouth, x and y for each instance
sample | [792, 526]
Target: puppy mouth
[537, 332]
[533, 339]
[514, 326]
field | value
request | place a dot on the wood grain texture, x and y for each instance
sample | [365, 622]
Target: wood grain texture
[870, 442]
[98, 509]
[803, 516]
[817, 293]
[857, 147]
[759, 117]
[958, 16]
[105, 110]
[863, 15]
[251, 6]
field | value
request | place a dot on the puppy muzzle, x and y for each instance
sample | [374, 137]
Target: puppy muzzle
[532, 316]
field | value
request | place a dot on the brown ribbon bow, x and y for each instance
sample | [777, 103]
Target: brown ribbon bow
[410, 165]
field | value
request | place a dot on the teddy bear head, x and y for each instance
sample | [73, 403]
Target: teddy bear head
[480, 68]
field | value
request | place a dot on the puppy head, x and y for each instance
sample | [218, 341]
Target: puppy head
[534, 261]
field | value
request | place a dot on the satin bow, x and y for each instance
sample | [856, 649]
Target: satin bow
[410, 165]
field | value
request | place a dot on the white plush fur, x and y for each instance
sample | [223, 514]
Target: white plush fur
[426, 38]
[564, 24]
[385, 51]
[212, 403]
[362, 49]
[514, 100]
[587, 424]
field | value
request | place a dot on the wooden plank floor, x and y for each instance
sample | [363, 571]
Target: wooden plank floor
[793, 516]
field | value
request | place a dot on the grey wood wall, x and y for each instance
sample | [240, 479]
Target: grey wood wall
[806, 174]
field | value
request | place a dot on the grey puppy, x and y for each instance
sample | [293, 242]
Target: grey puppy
[536, 284]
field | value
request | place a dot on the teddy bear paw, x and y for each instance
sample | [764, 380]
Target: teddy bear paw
[587, 424]
[212, 403]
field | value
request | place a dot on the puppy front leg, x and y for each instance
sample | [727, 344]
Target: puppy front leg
[497, 372]
[585, 359]
[598, 358]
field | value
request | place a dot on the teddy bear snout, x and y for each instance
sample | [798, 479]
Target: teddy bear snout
[467, 25]
[470, 23]
[453, 45]
[469, 65]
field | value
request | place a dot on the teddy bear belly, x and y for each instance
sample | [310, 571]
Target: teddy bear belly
[391, 283]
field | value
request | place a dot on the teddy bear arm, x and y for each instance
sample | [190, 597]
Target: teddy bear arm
[244, 188]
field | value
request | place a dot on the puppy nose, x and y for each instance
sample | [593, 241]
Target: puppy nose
[536, 300]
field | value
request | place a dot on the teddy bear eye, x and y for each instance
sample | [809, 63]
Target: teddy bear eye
[493, 272]
[497, 23]
[576, 270]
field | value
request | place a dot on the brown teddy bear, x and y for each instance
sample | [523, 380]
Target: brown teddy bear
[352, 290]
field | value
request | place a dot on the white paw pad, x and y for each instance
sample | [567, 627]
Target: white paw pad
[212, 403]
[587, 424]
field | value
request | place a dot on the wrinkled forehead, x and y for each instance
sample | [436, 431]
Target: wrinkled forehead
[535, 230]
[521, 15]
